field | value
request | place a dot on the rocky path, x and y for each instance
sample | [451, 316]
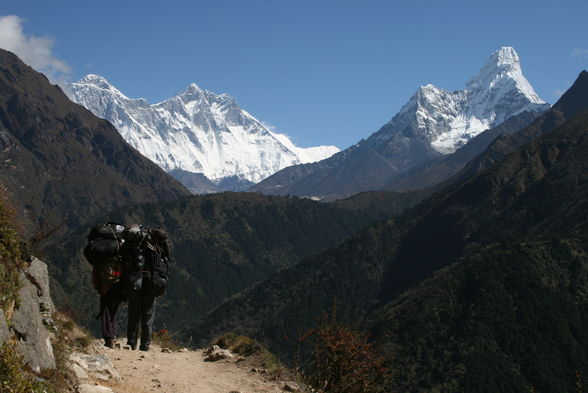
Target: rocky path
[178, 372]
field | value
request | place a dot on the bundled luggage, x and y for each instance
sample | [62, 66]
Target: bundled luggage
[103, 253]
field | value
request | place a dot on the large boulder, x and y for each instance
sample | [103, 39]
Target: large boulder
[39, 276]
[33, 339]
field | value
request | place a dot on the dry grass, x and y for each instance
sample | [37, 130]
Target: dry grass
[245, 346]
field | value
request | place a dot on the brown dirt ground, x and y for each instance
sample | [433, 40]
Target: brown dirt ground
[184, 372]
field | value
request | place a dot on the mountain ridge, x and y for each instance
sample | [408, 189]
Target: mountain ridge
[60, 163]
[568, 106]
[415, 134]
[196, 131]
[520, 224]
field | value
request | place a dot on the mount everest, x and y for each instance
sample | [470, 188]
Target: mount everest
[433, 123]
[196, 132]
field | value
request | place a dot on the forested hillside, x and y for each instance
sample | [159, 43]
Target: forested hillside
[520, 228]
[223, 244]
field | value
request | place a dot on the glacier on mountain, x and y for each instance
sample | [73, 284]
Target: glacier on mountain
[448, 120]
[196, 131]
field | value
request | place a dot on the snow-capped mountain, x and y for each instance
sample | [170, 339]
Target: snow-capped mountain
[448, 120]
[196, 131]
[434, 122]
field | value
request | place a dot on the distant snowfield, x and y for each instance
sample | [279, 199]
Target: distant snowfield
[197, 131]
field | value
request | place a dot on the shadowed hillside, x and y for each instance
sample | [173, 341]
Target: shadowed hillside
[223, 244]
[520, 228]
[60, 164]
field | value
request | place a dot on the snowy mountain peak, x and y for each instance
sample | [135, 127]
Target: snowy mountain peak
[98, 81]
[504, 57]
[504, 60]
[196, 131]
[194, 86]
[503, 63]
[191, 90]
[427, 90]
[502, 74]
[448, 120]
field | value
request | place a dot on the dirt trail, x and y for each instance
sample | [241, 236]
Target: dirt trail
[183, 372]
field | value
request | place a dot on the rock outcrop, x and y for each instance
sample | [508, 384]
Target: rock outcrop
[33, 308]
[96, 366]
[215, 353]
[38, 275]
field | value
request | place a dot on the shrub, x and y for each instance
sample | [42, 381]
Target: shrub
[14, 378]
[240, 345]
[245, 346]
[165, 340]
[11, 261]
[343, 361]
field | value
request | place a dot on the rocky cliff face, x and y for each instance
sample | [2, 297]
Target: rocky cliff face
[31, 318]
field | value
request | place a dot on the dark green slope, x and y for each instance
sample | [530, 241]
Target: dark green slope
[64, 168]
[537, 189]
[295, 299]
[512, 310]
[537, 193]
[224, 243]
[571, 103]
[507, 316]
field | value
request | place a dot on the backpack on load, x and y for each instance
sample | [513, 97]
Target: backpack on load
[145, 257]
[134, 237]
[157, 261]
[103, 253]
[133, 260]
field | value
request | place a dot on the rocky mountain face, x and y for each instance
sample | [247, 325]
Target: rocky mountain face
[435, 172]
[571, 103]
[433, 123]
[60, 164]
[196, 132]
[471, 290]
[448, 120]
[31, 318]
[492, 145]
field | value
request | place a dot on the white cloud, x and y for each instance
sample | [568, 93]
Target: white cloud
[35, 51]
[579, 52]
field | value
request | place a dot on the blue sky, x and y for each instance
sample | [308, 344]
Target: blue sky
[323, 72]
